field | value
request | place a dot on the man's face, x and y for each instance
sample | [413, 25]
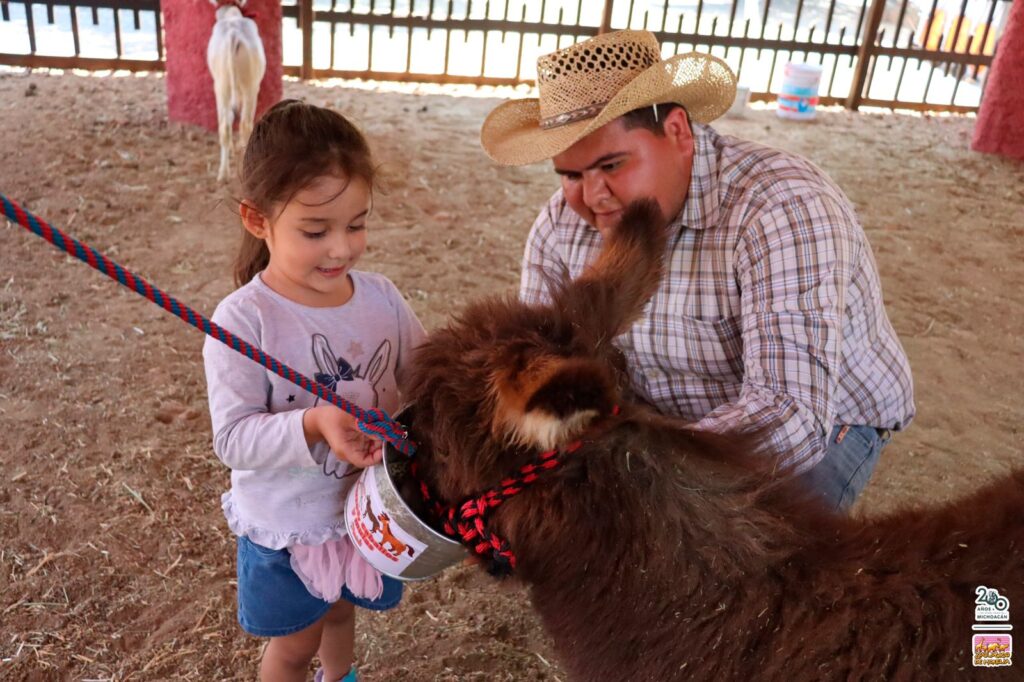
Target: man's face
[606, 170]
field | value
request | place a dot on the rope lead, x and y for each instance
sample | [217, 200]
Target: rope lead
[374, 422]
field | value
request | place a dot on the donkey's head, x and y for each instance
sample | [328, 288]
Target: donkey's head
[505, 379]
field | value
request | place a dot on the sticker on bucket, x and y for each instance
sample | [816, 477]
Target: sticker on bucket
[386, 545]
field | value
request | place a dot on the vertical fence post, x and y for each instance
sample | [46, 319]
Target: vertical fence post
[306, 26]
[865, 53]
[606, 17]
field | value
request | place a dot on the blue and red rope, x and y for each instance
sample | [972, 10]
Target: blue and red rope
[373, 422]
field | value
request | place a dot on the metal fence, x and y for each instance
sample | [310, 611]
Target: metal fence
[918, 54]
[52, 34]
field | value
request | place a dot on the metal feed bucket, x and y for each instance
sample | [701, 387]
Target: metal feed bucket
[387, 532]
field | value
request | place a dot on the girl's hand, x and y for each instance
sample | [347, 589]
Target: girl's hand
[341, 433]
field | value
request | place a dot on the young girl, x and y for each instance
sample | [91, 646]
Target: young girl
[307, 180]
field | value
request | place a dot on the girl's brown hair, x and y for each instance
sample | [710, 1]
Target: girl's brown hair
[291, 145]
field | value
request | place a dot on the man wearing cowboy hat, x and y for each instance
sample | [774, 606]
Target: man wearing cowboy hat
[770, 313]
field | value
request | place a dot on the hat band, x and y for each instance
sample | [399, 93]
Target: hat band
[572, 116]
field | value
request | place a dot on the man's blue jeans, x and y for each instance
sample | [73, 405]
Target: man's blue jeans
[853, 453]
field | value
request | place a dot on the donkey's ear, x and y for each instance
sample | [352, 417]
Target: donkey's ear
[573, 388]
[558, 408]
[609, 296]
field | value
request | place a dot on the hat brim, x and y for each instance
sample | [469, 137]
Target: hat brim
[704, 84]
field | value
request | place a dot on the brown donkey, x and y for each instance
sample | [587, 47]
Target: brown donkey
[657, 553]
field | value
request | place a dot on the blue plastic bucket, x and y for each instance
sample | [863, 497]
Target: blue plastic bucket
[798, 96]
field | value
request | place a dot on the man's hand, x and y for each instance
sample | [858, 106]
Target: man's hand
[341, 433]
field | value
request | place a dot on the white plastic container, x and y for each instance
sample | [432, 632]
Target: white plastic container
[739, 105]
[798, 96]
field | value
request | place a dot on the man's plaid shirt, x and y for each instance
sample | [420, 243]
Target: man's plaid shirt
[770, 312]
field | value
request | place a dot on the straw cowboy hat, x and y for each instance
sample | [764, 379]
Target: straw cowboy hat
[589, 84]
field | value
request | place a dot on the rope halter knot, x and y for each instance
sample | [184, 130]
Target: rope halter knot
[378, 424]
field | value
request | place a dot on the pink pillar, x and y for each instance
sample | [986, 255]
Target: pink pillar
[187, 28]
[1000, 126]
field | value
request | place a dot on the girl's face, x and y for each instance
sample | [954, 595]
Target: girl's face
[315, 240]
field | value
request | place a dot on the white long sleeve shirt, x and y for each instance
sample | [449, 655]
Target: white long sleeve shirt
[284, 492]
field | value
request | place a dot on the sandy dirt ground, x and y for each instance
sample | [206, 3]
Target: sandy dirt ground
[116, 563]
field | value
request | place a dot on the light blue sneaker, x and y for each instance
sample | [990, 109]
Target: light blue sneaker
[350, 677]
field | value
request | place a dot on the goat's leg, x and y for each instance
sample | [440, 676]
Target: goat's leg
[246, 116]
[225, 120]
[248, 95]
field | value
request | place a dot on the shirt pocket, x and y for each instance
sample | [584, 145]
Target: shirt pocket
[689, 346]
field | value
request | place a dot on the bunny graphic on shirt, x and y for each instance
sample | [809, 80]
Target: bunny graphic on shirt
[357, 385]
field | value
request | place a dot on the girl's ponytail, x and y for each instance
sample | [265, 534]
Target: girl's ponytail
[253, 257]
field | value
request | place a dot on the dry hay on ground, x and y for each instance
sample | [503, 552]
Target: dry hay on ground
[115, 561]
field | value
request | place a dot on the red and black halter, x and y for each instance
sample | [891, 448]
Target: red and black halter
[467, 521]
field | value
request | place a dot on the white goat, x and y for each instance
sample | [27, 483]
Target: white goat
[237, 62]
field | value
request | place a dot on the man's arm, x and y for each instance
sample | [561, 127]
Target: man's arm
[794, 266]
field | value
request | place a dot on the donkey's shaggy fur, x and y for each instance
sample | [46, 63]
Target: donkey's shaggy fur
[660, 553]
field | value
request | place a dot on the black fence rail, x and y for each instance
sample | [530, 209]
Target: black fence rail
[867, 49]
[68, 20]
[917, 54]
[484, 43]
